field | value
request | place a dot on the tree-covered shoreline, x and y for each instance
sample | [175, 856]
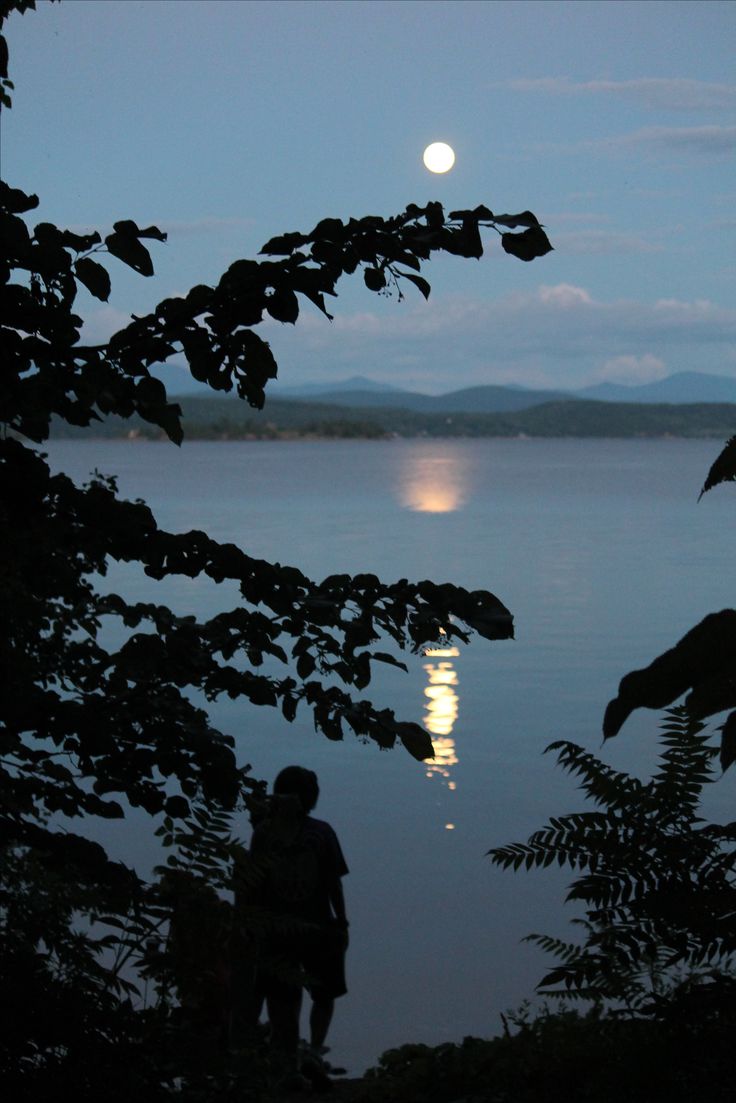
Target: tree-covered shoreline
[226, 419]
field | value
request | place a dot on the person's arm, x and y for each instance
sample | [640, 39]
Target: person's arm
[337, 902]
[337, 869]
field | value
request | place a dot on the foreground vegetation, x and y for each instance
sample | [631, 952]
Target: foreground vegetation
[569, 1057]
[226, 419]
[656, 967]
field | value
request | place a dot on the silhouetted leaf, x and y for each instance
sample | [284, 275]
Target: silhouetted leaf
[126, 227]
[15, 234]
[177, 807]
[328, 253]
[383, 657]
[94, 277]
[416, 740]
[528, 245]
[283, 305]
[512, 221]
[374, 278]
[480, 213]
[419, 282]
[289, 707]
[199, 299]
[284, 244]
[728, 742]
[154, 232]
[242, 275]
[488, 616]
[329, 229]
[127, 248]
[106, 809]
[435, 215]
[316, 297]
[723, 469]
[16, 201]
[463, 241]
[703, 661]
[169, 418]
[256, 365]
[305, 665]
[80, 242]
[150, 391]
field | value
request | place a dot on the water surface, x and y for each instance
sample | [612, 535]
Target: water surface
[605, 558]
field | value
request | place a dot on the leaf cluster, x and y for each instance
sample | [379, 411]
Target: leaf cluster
[723, 468]
[119, 986]
[212, 327]
[657, 883]
[701, 665]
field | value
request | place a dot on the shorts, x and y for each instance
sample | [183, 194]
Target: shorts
[323, 962]
[313, 959]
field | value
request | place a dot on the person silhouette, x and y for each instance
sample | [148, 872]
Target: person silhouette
[302, 888]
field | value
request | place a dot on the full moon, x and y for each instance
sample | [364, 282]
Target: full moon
[439, 157]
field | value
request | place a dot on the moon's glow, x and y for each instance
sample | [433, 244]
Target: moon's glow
[439, 157]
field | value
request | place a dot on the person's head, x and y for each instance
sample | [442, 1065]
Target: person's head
[299, 782]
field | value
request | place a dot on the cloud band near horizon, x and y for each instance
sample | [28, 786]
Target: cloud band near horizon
[660, 93]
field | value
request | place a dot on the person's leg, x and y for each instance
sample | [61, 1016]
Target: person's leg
[248, 998]
[326, 966]
[284, 1004]
[320, 1018]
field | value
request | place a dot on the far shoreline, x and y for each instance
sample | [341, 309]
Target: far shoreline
[137, 437]
[229, 421]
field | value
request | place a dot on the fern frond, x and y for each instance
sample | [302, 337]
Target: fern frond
[657, 882]
[601, 783]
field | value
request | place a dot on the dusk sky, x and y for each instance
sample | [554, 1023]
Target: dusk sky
[225, 123]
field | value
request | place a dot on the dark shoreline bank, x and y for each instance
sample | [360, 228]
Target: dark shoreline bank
[228, 419]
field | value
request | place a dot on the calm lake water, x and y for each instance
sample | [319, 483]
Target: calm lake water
[604, 557]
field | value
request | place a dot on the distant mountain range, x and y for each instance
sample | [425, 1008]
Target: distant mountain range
[485, 400]
[689, 404]
[682, 388]
[354, 383]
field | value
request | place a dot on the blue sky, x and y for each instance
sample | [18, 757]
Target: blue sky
[227, 122]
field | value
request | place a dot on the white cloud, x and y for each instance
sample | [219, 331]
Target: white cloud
[101, 322]
[564, 295]
[554, 336]
[673, 94]
[689, 311]
[687, 139]
[708, 140]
